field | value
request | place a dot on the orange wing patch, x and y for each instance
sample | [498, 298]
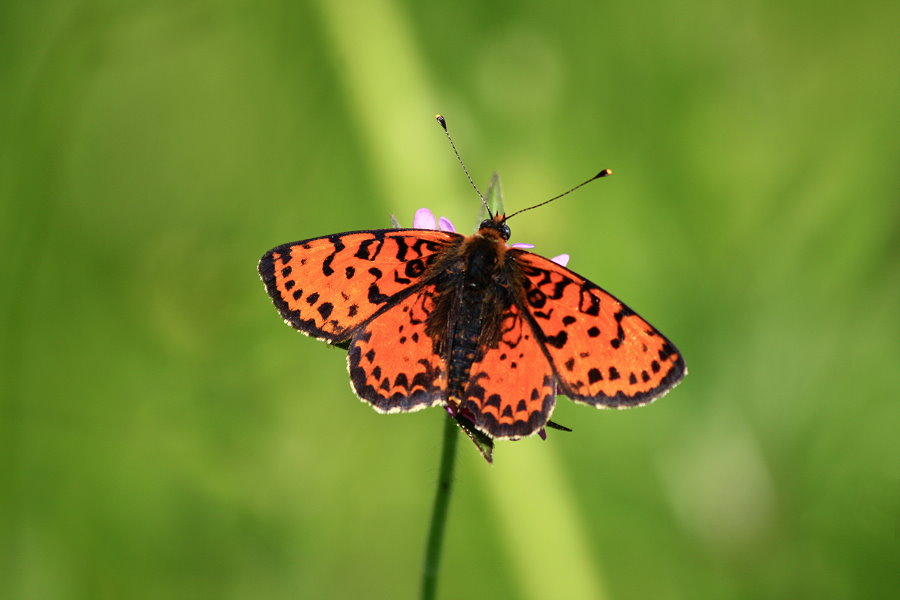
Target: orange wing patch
[391, 360]
[604, 354]
[510, 392]
[328, 286]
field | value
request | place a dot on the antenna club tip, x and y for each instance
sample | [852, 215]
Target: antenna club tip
[440, 119]
[603, 173]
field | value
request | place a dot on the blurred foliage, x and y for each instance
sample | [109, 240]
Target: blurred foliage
[164, 435]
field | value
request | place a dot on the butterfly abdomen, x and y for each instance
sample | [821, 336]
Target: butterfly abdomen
[462, 345]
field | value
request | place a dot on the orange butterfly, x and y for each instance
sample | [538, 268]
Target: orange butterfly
[491, 332]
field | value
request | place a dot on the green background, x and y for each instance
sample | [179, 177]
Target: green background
[164, 435]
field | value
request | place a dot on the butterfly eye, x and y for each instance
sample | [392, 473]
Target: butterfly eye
[501, 228]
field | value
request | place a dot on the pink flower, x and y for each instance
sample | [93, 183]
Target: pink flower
[424, 219]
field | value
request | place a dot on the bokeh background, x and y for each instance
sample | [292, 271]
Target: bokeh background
[164, 435]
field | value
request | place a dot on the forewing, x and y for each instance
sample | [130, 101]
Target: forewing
[326, 287]
[510, 392]
[603, 353]
[392, 361]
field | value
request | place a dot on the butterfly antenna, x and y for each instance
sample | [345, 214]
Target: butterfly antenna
[443, 122]
[603, 173]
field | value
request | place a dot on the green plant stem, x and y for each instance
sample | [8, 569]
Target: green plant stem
[439, 511]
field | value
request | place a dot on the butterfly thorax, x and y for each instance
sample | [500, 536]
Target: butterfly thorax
[474, 285]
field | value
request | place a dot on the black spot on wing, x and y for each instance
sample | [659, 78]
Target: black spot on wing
[536, 298]
[325, 309]
[589, 304]
[338, 247]
[557, 341]
[375, 296]
[414, 268]
[402, 248]
[666, 351]
[620, 332]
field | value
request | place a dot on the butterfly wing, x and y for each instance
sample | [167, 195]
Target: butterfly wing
[510, 391]
[604, 354]
[392, 361]
[327, 287]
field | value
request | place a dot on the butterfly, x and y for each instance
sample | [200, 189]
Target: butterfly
[491, 332]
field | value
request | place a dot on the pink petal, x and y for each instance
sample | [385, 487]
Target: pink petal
[424, 219]
[444, 224]
[562, 259]
[522, 246]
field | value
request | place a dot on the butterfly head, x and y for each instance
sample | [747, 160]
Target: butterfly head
[498, 224]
